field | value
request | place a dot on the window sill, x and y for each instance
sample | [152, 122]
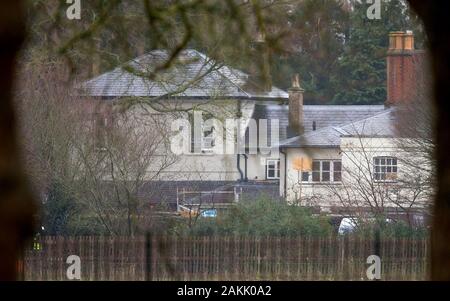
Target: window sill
[200, 154]
[385, 181]
[321, 183]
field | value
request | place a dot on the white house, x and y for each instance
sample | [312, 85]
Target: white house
[314, 137]
[368, 165]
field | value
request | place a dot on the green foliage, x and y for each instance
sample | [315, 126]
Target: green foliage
[361, 70]
[58, 209]
[339, 53]
[316, 41]
[264, 217]
[391, 229]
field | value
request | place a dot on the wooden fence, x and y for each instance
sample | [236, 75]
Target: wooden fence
[225, 258]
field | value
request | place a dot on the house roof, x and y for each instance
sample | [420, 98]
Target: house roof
[194, 75]
[379, 125]
[324, 116]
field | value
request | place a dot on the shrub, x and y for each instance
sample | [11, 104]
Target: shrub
[264, 217]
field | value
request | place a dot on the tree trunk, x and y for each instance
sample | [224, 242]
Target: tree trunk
[16, 206]
[435, 15]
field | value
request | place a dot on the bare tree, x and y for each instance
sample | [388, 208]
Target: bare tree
[45, 109]
[88, 156]
[132, 151]
[381, 179]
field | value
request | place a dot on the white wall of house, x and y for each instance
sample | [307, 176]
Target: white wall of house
[396, 169]
[399, 183]
[204, 166]
[257, 167]
[297, 191]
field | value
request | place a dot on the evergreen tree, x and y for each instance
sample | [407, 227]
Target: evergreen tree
[361, 72]
[316, 41]
[57, 211]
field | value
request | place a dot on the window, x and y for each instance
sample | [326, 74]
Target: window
[385, 169]
[305, 176]
[325, 171]
[337, 171]
[205, 142]
[102, 123]
[273, 169]
[208, 140]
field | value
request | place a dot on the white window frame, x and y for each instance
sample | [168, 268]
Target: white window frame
[331, 171]
[386, 166]
[276, 170]
[208, 141]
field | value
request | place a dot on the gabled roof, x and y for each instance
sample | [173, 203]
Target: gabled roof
[379, 125]
[194, 75]
[322, 115]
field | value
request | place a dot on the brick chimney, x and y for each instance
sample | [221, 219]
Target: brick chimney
[296, 126]
[403, 62]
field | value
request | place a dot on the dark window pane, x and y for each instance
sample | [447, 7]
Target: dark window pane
[337, 176]
[326, 176]
[337, 166]
[316, 166]
[316, 176]
[326, 165]
[305, 176]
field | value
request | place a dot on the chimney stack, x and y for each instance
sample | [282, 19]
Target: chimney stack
[401, 68]
[296, 126]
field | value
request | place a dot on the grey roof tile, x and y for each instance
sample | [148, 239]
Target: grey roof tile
[323, 115]
[194, 76]
[378, 125]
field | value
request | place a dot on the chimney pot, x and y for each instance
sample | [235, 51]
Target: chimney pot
[296, 82]
[408, 39]
[400, 41]
[401, 68]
